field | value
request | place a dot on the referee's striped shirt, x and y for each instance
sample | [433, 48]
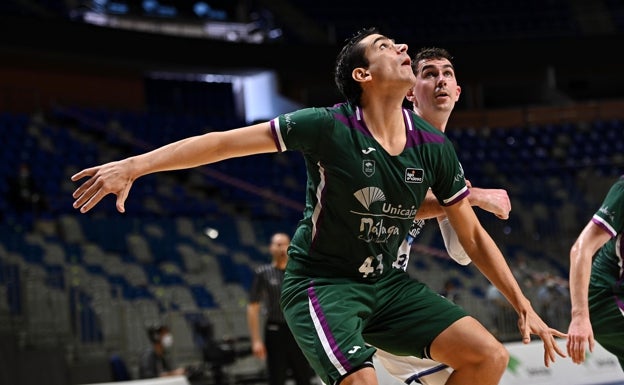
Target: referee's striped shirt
[266, 288]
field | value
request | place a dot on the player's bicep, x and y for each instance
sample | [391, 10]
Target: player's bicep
[594, 237]
[254, 139]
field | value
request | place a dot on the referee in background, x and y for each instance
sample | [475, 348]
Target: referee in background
[283, 357]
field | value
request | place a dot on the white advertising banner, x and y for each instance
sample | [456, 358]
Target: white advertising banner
[173, 380]
[526, 366]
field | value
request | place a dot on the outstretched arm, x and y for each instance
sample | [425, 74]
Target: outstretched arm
[117, 177]
[490, 261]
[580, 333]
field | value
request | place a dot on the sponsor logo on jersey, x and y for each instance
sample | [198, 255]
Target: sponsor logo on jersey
[369, 195]
[460, 175]
[368, 150]
[354, 349]
[368, 167]
[607, 213]
[416, 227]
[414, 175]
[289, 122]
[378, 224]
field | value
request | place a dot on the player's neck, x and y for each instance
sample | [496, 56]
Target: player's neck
[438, 121]
[386, 123]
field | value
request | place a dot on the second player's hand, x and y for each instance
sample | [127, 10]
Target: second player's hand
[495, 201]
[580, 338]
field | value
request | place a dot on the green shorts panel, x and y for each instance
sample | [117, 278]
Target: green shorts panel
[416, 315]
[607, 317]
[333, 320]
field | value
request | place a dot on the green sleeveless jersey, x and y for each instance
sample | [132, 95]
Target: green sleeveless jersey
[361, 201]
[607, 267]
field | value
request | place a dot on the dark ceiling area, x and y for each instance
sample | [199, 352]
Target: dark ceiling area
[507, 53]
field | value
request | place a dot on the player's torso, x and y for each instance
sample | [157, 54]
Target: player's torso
[362, 203]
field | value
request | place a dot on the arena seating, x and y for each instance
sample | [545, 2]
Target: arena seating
[155, 260]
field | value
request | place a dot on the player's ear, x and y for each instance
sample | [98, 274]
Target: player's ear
[360, 74]
[458, 93]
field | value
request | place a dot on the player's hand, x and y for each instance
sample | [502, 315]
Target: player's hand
[110, 178]
[580, 338]
[530, 323]
[495, 201]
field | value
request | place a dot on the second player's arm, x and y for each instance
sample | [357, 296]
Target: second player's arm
[580, 333]
[488, 258]
[495, 201]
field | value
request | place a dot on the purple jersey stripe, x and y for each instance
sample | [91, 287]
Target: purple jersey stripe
[603, 225]
[420, 137]
[457, 197]
[416, 377]
[353, 121]
[276, 135]
[326, 330]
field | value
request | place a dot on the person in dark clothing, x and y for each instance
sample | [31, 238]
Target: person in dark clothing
[154, 361]
[279, 348]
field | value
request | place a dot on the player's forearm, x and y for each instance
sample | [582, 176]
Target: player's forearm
[186, 153]
[580, 270]
[205, 149]
[431, 208]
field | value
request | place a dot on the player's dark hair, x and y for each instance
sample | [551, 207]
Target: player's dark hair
[352, 56]
[429, 53]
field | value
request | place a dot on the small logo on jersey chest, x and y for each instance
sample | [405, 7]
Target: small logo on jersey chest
[368, 150]
[368, 167]
[414, 175]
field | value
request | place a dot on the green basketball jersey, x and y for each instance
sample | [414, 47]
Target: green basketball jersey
[361, 201]
[607, 267]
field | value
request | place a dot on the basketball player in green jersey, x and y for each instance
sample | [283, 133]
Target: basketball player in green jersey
[369, 164]
[597, 288]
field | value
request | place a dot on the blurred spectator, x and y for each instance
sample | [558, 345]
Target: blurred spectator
[525, 275]
[155, 361]
[451, 289]
[503, 316]
[553, 301]
[24, 195]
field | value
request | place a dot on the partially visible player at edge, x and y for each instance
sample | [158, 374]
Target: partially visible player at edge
[596, 285]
